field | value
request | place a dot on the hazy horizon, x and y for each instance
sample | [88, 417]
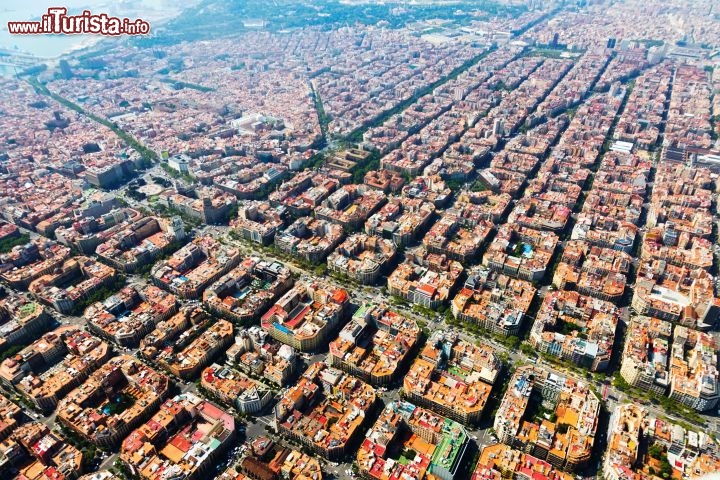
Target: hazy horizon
[50, 46]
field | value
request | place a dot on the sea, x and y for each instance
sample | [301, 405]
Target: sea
[49, 48]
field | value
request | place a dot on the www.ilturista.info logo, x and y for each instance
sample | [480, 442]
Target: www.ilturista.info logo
[57, 21]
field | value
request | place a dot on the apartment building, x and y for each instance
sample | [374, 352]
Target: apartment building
[457, 237]
[189, 361]
[576, 328]
[350, 206]
[521, 252]
[234, 388]
[493, 301]
[566, 442]
[307, 315]
[184, 439]
[645, 360]
[375, 345]
[453, 377]
[22, 265]
[694, 369]
[46, 453]
[141, 242]
[591, 270]
[425, 278]
[311, 239]
[272, 461]
[76, 281]
[362, 257]
[257, 353]
[247, 291]
[128, 315]
[439, 444]
[114, 400]
[21, 320]
[325, 411]
[677, 294]
[497, 460]
[690, 453]
[259, 221]
[194, 267]
[175, 333]
[401, 220]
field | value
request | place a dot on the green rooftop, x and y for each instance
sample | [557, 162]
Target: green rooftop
[27, 309]
[361, 311]
[451, 444]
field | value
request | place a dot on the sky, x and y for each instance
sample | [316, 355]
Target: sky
[55, 45]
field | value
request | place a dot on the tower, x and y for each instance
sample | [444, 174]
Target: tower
[176, 228]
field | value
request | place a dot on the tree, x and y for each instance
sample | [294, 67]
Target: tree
[656, 451]
[527, 349]
[409, 453]
[11, 351]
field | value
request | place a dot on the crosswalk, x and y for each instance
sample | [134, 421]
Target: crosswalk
[265, 420]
